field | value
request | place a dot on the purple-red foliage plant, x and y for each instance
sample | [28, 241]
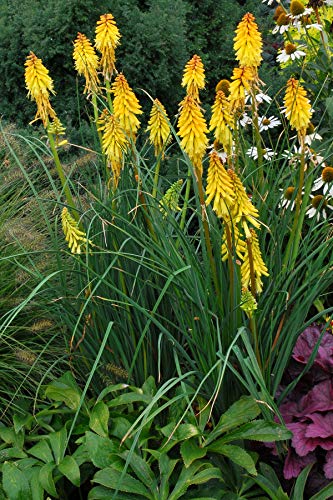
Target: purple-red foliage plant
[308, 408]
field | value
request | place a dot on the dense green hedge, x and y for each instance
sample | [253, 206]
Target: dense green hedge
[158, 37]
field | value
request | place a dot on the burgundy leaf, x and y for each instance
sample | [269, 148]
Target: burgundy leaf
[300, 442]
[321, 426]
[294, 464]
[328, 467]
[319, 398]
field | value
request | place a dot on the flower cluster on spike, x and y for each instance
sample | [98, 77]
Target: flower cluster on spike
[106, 41]
[170, 200]
[297, 106]
[114, 142]
[76, 239]
[86, 63]
[39, 85]
[194, 77]
[248, 42]
[126, 106]
[159, 128]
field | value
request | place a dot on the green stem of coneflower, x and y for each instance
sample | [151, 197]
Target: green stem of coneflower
[108, 94]
[257, 138]
[156, 176]
[62, 177]
[253, 325]
[296, 230]
[207, 234]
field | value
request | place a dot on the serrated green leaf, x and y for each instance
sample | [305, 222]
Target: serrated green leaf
[42, 451]
[99, 419]
[242, 411]
[129, 398]
[46, 479]
[110, 478]
[66, 390]
[101, 450]
[15, 482]
[141, 469]
[190, 451]
[180, 433]
[259, 430]
[69, 468]
[236, 454]
[102, 493]
[185, 479]
[58, 441]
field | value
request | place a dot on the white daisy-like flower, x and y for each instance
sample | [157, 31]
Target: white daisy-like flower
[299, 26]
[290, 52]
[269, 2]
[309, 138]
[267, 153]
[325, 181]
[260, 98]
[297, 17]
[287, 199]
[283, 28]
[220, 153]
[294, 155]
[329, 3]
[267, 123]
[245, 120]
[319, 208]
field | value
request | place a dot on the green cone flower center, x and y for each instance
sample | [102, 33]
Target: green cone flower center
[296, 8]
[327, 174]
[288, 194]
[318, 201]
[224, 86]
[283, 20]
[290, 48]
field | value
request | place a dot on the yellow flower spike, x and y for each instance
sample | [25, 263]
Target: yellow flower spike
[192, 130]
[170, 200]
[248, 303]
[39, 85]
[219, 187]
[242, 78]
[297, 106]
[126, 106]
[86, 63]
[257, 264]
[114, 142]
[242, 210]
[237, 241]
[158, 127]
[248, 42]
[222, 121]
[194, 77]
[106, 41]
[76, 239]
[56, 128]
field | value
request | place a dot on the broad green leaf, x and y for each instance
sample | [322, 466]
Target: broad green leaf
[9, 436]
[46, 479]
[236, 454]
[270, 488]
[111, 478]
[149, 386]
[298, 489]
[141, 469]
[112, 388]
[129, 398]
[259, 430]
[99, 419]
[242, 411]
[69, 468]
[206, 475]
[36, 487]
[42, 451]
[102, 493]
[58, 442]
[166, 466]
[21, 421]
[15, 482]
[185, 479]
[119, 427]
[66, 390]
[190, 451]
[13, 452]
[180, 433]
[101, 450]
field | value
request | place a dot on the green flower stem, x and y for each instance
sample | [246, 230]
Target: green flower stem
[108, 94]
[185, 204]
[100, 137]
[156, 176]
[62, 177]
[253, 326]
[257, 138]
[231, 266]
[207, 235]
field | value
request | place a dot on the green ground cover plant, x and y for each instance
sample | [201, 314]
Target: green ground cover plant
[194, 286]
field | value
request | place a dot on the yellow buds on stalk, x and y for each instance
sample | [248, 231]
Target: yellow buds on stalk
[194, 77]
[39, 85]
[158, 127]
[221, 121]
[126, 106]
[219, 187]
[193, 130]
[76, 239]
[114, 142]
[248, 42]
[253, 266]
[248, 303]
[297, 106]
[106, 41]
[242, 78]
[56, 128]
[170, 200]
[86, 63]
[243, 210]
